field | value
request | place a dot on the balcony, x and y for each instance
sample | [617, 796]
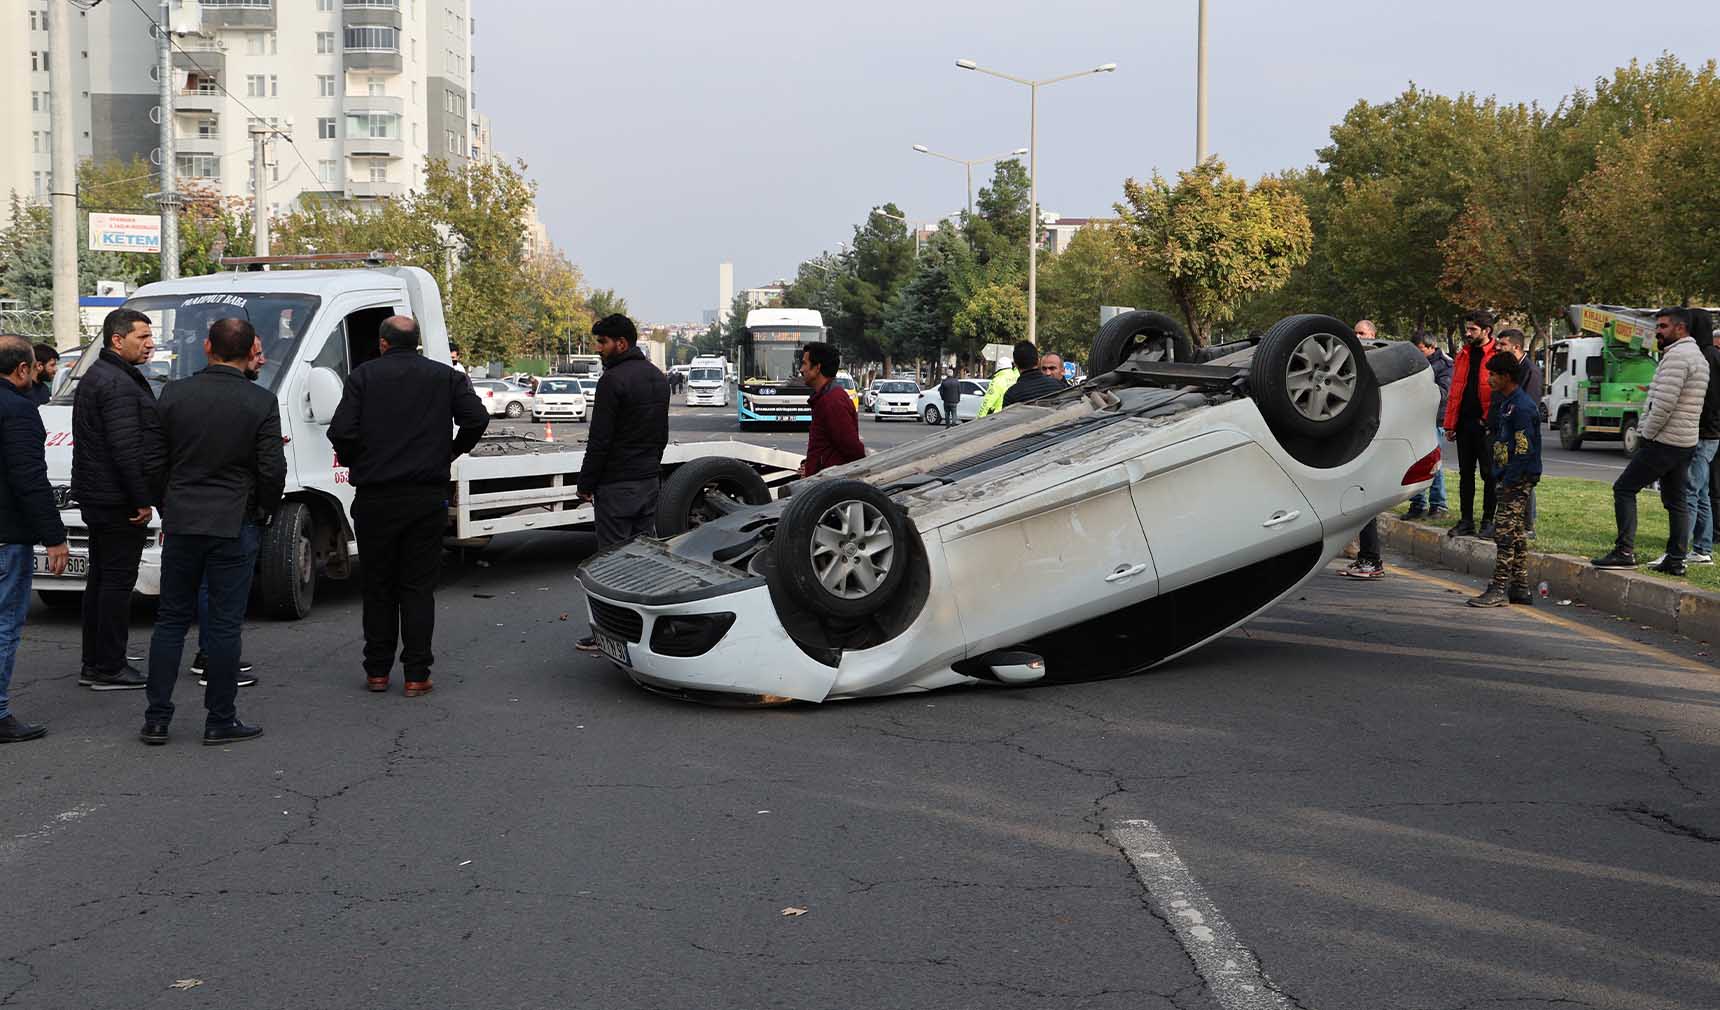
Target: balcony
[373, 147]
[371, 12]
[364, 189]
[358, 105]
[373, 61]
[198, 143]
[199, 100]
[240, 14]
[202, 61]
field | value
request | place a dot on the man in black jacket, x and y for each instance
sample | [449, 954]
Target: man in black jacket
[391, 432]
[950, 392]
[1431, 502]
[27, 517]
[629, 430]
[1704, 491]
[116, 454]
[1034, 383]
[47, 365]
[226, 467]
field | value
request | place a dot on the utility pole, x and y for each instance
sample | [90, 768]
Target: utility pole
[1200, 93]
[169, 195]
[259, 187]
[64, 186]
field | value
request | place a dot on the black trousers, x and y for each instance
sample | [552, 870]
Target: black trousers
[187, 561]
[1668, 464]
[399, 559]
[116, 547]
[1473, 453]
[1368, 542]
[626, 509]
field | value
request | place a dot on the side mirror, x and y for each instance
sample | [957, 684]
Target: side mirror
[1594, 368]
[325, 389]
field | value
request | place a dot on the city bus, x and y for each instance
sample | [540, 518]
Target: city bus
[771, 391]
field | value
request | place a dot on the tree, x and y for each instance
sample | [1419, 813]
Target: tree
[606, 302]
[1213, 241]
[995, 314]
[1094, 270]
[482, 208]
[998, 233]
[735, 330]
[920, 319]
[881, 260]
[556, 316]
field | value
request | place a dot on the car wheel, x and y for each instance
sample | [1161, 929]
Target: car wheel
[841, 548]
[1152, 334]
[288, 576]
[515, 409]
[1569, 440]
[1309, 375]
[933, 416]
[64, 600]
[704, 489]
[1628, 437]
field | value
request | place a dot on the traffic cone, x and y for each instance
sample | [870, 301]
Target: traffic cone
[548, 432]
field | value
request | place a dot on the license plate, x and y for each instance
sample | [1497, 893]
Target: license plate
[77, 565]
[614, 648]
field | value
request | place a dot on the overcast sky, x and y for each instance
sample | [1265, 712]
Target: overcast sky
[668, 136]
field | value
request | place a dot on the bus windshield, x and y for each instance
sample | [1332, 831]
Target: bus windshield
[773, 355]
[181, 324]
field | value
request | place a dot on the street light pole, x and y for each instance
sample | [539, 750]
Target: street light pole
[63, 178]
[1033, 175]
[1200, 92]
[967, 165]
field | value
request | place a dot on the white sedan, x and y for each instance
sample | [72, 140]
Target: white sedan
[895, 399]
[559, 397]
[503, 398]
[1097, 532]
[930, 405]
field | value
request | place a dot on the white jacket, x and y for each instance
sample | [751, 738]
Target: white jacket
[1675, 400]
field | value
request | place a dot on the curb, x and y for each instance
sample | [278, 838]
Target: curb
[1694, 613]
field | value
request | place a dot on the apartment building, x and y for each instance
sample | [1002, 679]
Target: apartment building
[368, 89]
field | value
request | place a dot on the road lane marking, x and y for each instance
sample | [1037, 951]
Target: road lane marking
[1231, 971]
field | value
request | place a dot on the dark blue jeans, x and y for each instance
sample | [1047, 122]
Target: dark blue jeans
[17, 562]
[1669, 465]
[251, 539]
[186, 558]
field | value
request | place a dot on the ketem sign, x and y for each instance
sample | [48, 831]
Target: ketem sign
[138, 233]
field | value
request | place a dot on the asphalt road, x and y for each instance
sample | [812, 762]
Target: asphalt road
[1374, 797]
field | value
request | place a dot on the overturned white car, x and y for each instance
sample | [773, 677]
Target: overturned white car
[1094, 533]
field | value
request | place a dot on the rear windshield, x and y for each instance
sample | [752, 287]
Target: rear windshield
[558, 386]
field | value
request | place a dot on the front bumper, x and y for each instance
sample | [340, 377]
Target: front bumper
[78, 546]
[554, 412]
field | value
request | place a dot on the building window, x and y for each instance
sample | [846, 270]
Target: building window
[32, 20]
[379, 171]
[414, 134]
[415, 91]
[199, 166]
[36, 141]
[207, 128]
[256, 86]
[326, 170]
[325, 42]
[373, 37]
[376, 125]
[415, 50]
[325, 5]
[325, 86]
[453, 140]
[36, 101]
[451, 102]
[253, 44]
[38, 60]
[325, 129]
[376, 89]
[274, 86]
[41, 185]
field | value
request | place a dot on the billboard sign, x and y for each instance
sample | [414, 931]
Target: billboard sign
[138, 233]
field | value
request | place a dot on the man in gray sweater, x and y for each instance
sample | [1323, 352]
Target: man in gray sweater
[1670, 431]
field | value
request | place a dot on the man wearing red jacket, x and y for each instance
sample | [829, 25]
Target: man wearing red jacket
[834, 438]
[1466, 422]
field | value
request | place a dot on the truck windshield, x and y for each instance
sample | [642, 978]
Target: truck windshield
[181, 323]
[706, 375]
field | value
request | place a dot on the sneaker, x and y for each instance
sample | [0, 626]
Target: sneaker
[1493, 597]
[587, 644]
[1667, 566]
[1438, 512]
[126, 678]
[1698, 558]
[1363, 570]
[245, 679]
[202, 661]
[1464, 528]
[1615, 558]
[1415, 512]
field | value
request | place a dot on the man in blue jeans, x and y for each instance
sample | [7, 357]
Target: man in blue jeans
[1431, 503]
[225, 467]
[27, 517]
[1699, 481]
[251, 539]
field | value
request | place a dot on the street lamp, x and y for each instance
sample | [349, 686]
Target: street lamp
[968, 164]
[1033, 174]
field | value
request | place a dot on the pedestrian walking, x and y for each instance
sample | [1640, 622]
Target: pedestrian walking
[391, 430]
[1431, 503]
[834, 438]
[1512, 342]
[47, 366]
[117, 455]
[1466, 423]
[28, 517]
[1669, 431]
[226, 468]
[1514, 431]
[621, 474]
[1032, 383]
[1005, 377]
[950, 392]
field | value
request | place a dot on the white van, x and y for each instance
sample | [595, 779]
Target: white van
[708, 382]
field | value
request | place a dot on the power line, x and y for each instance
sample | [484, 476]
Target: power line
[171, 41]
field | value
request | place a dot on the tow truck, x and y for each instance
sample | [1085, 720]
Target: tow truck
[316, 324]
[1600, 375]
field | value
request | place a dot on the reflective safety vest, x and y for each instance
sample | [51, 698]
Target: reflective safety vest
[1000, 384]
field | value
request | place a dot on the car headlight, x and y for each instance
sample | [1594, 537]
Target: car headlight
[688, 635]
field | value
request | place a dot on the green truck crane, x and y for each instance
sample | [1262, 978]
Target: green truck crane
[1600, 375]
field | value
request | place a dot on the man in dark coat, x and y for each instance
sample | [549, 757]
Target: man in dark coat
[391, 431]
[117, 452]
[226, 467]
[47, 365]
[950, 392]
[1431, 502]
[27, 517]
[1034, 382]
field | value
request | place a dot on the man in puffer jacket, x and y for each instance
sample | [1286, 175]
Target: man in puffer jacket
[1669, 433]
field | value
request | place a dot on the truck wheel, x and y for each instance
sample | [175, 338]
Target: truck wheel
[515, 409]
[933, 416]
[705, 489]
[1124, 336]
[841, 548]
[1568, 437]
[288, 567]
[1309, 376]
[63, 600]
[1628, 436]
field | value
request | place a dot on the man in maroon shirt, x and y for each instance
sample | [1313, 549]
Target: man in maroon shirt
[834, 438]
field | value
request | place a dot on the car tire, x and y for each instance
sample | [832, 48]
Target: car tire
[1309, 376]
[62, 600]
[680, 505]
[826, 527]
[1628, 437]
[287, 574]
[933, 416]
[1569, 440]
[514, 409]
[1128, 334]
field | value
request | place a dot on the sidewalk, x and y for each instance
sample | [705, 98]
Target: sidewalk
[1645, 599]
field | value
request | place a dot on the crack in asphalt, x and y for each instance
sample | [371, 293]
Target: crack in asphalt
[1664, 822]
[1652, 739]
[1499, 1000]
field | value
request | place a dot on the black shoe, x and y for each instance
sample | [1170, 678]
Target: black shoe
[126, 678]
[1615, 558]
[587, 644]
[1488, 532]
[1523, 597]
[1491, 598]
[1438, 512]
[245, 679]
[1464, 528]
[153, 733]
[1415, 512]
[233, 732]
[1669, 566]
[14, 730]
[202, 661]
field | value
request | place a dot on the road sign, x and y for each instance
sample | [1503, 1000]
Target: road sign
[139, 233]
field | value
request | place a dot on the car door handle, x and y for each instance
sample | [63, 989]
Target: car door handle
[1125, 572]
[1281, 517]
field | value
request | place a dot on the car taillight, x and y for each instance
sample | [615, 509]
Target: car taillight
[1424, 469]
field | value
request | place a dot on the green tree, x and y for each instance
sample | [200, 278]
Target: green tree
[882, 258]
[482, 207]
[736, 328]
[920, 320]
[1096, 269]
[557, 318]
[1213, 241]
[994, 314]
[606, 302]
[998, 230]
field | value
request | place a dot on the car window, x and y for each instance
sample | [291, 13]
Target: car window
[897, 387]
[498, 386]
[558, 386]
[973, 387]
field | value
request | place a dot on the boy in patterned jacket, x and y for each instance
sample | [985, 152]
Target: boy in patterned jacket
[1515, 430]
